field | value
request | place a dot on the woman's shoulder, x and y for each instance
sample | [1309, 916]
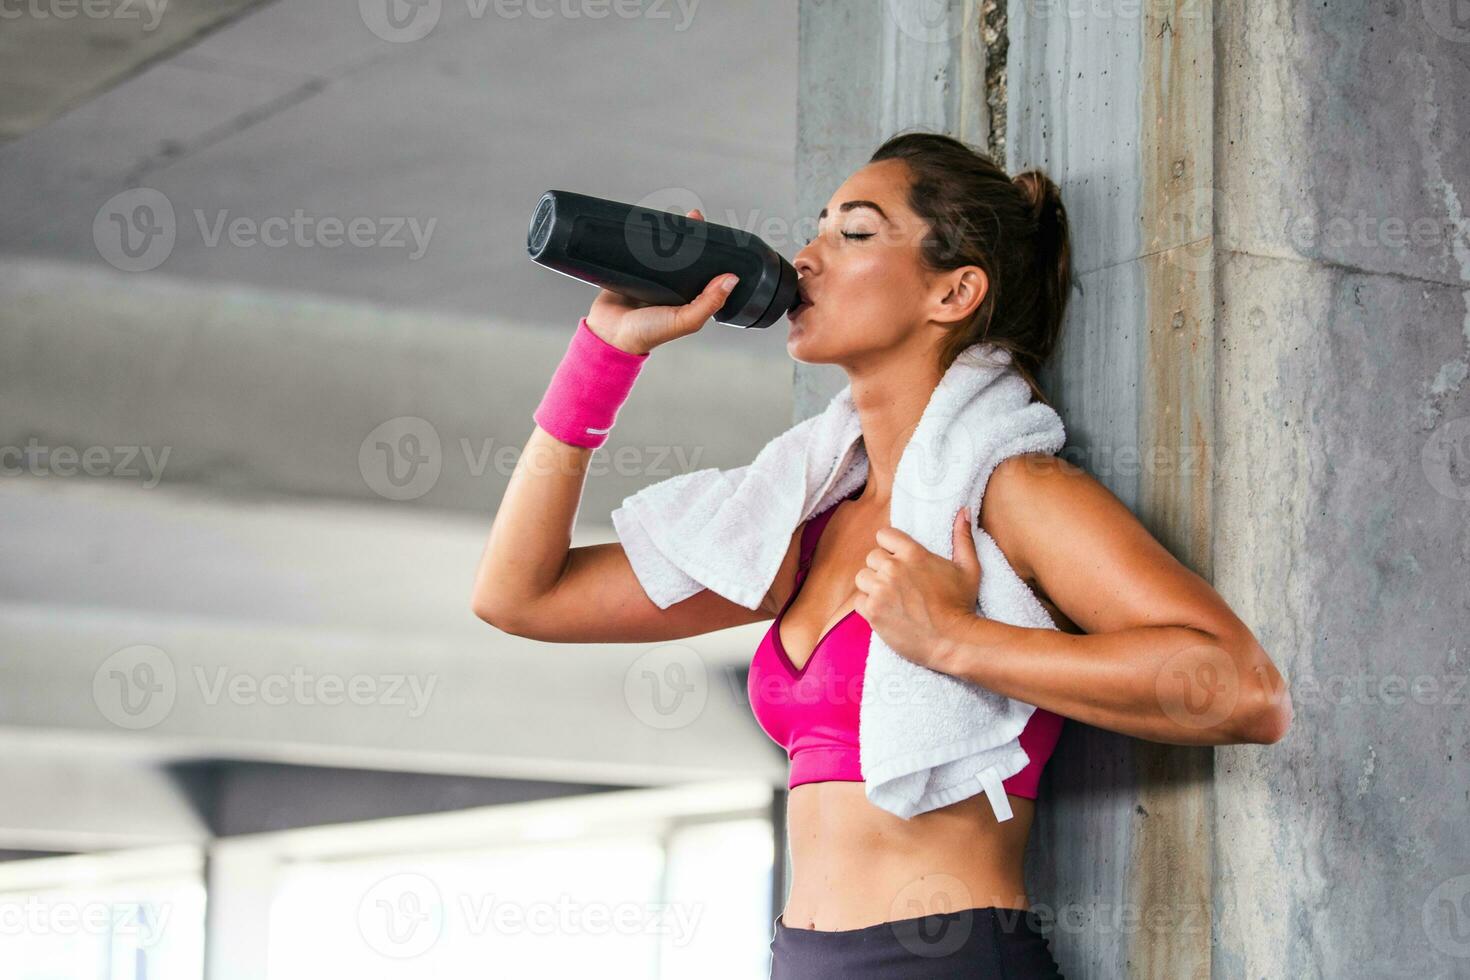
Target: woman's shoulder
[1018, 489]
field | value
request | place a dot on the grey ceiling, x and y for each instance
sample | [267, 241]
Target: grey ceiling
[298, 104]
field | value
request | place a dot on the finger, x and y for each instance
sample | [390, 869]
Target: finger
[898, 542]
[692, 316]
[878, 559]
[696, 214]
[964, 542]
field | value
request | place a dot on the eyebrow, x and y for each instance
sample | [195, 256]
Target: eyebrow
[849, 205]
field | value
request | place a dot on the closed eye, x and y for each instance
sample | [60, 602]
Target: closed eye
[847, 234]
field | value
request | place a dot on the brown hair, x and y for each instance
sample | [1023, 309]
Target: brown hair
[1014, 228]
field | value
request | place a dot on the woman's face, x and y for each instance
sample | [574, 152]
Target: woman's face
[869, 292]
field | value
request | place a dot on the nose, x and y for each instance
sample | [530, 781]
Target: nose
[804, 263]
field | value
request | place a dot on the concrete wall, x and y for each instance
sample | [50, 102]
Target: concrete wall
[1342, 527]
[1114, 102]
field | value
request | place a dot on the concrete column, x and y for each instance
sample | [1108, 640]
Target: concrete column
[1342, 495]
[1117, 108]
[1114, 101]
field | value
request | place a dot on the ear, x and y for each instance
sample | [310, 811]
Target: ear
[965, 289]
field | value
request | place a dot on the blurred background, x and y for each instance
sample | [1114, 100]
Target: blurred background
[269, 348]
[252, 458]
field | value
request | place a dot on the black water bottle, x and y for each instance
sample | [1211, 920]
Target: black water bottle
[659, 257]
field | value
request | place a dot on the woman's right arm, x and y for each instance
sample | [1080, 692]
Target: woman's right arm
[532, 583]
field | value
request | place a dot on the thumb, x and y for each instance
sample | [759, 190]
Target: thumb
[692, 316]
[964, 542]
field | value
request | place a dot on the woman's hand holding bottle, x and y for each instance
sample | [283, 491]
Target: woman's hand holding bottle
[638, 327]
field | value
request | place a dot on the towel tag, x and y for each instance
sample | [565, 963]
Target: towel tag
[995, 791]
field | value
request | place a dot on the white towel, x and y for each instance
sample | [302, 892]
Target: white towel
[926, 739]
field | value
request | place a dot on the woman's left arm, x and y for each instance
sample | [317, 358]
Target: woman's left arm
[1163, 657]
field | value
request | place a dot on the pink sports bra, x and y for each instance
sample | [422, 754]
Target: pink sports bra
[812, 713]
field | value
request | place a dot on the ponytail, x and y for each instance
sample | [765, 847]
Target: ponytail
[1052, 251]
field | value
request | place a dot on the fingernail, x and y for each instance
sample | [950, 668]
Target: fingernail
[729, 283]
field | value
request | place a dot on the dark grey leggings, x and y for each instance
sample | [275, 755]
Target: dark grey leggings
[971, 943]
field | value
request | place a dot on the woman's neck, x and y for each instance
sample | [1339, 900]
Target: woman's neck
[889, 402]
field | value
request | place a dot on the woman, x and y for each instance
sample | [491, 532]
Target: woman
[925, 250]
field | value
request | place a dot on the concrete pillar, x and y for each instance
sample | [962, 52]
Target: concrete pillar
[1342, 495]
[1114, 101]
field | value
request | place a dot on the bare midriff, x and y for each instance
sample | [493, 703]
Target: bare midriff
[854, 864]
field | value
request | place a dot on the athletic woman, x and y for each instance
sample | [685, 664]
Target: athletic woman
[928, 248]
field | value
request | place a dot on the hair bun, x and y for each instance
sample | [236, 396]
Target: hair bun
[1042, 195]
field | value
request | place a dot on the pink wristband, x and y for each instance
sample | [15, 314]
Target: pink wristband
[589, 386]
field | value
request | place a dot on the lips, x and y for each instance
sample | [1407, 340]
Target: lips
[803, 303]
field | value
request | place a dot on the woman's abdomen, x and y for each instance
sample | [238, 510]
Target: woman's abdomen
[854, 864]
